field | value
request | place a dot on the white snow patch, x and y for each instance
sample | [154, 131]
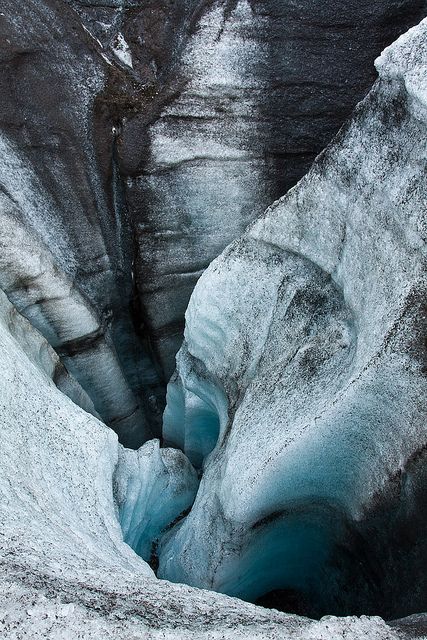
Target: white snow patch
[122, 51]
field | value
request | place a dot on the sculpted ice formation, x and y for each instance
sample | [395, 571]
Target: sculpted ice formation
[299, 394]
[245, 95]
[312, 326]
[62, 201]
[154, 487]
[65, 570]
[41, 354]
[225, 107]
[31, 276]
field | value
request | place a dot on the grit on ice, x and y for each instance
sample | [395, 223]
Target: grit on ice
[294, 424]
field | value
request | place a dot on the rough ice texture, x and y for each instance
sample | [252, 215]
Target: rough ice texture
[60, 205]
[65, 571]
[227, 105]
[140, 175]
[121, 50]
[312, 326]
[35, 279]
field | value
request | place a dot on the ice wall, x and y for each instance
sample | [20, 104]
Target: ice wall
[311, 325]
[36, 281]
[140, 138]
[227, 105]
[61, 200]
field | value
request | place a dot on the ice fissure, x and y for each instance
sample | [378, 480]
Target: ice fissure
[154, 147]
[289, 467]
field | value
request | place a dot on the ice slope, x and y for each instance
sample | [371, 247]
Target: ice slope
[312, 327]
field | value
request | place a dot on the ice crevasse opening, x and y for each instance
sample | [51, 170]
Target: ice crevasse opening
[292, 467]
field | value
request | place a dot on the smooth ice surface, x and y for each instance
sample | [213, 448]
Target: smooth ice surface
[152, 488]
[194, 413]
[311, 327]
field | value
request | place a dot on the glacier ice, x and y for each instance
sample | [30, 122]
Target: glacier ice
[238, 97]
[61, 198]
[153, 488]
[135, 177]
[193, 414]
[310, 326]
[37, 283]
[299, 391]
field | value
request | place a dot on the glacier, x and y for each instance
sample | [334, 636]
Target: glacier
[62, 205]
[291, 469]
[129, 180]
[226, 107]
[33, 280]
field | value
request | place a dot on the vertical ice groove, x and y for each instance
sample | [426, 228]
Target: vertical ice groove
[41, 286]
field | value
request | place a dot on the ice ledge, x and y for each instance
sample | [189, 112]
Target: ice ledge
[406, 59]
